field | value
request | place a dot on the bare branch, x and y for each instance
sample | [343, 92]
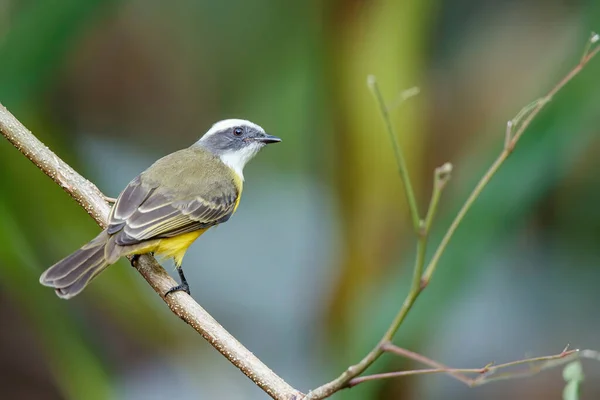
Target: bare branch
[487, 374]
[402, 168]
[457, 374]
[521, 122]
[398, 374]
[182, 305]
[591, 41]
[514, 130]
[441, 176]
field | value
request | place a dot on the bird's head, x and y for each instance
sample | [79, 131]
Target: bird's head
[235, 142]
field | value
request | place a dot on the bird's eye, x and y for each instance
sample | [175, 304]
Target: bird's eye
[238, 131]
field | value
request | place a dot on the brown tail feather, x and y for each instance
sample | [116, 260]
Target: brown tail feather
[71, 275]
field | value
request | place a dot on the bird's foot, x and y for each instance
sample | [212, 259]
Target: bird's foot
[184, 287]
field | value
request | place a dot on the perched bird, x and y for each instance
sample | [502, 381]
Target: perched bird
[168, 206]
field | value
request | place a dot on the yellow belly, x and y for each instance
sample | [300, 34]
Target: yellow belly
[174, 247]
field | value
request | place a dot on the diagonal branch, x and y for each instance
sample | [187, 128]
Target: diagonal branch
[489, 373]
[181, 304]
[520, 124]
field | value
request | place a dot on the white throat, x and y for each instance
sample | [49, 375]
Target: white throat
[237, 159]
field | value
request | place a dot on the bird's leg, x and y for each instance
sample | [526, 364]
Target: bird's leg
[134, 259]
[184, 287]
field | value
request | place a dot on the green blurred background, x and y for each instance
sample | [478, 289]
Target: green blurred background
[317, 260]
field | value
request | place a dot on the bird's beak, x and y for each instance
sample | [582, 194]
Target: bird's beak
[267, 139]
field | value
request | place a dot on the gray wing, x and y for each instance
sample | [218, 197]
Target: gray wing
[143, 212]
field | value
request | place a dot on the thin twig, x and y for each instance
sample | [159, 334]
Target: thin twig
[498, 162]
[489, 373]
[402, 169]
[391, 348]
[522, 121]
[397, 374]
[182, 305]
[402, 97]
[586, 50]
[441, 177]
[508, 134]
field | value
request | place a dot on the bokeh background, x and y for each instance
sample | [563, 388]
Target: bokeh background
[317, 261]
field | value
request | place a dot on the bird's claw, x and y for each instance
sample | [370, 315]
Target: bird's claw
[184, 287]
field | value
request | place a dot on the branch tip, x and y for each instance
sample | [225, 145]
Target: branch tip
[588, 45]
[407, 94]
[442, 174]
[445, 169]
[371, 81]
[508, 134]
[413, 91]
[403, 96]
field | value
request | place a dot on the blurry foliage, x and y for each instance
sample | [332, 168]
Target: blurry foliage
[40, 35]
[151, 74]
[75, 367]
[387, 43]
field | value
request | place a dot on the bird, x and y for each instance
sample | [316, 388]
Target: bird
[167, 207]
